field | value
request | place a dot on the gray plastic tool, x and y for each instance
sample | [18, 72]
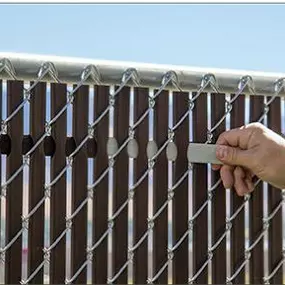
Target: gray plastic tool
[202, 153]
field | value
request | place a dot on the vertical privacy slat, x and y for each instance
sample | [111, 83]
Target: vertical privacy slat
[200, 189]
[150, 189]
[58, 191]
[141, 196]
[15, 189]
[275, 230]
[219, 196]
[160, 185]
[121, 131]
[237, 237]
[170, 183]
[180, 103]
[100, 208]
[256, 212]
[37, 180]
[79, 183]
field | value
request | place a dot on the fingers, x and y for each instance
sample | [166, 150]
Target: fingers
[238, 137]
[250, 185]
[231, 143]
[235, 156]
[249, 180]
[237, 177]
[240, 185]
[227, 176]
[231, 137]
[239, 156]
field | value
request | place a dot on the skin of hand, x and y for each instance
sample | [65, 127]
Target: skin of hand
[252, 150]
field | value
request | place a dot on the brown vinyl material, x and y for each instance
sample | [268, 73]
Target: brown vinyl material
[15, 188]
[37, 180]
[58, 192]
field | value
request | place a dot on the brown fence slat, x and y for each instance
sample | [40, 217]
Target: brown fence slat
[121, 133]
[256, 206]
[237, 231]
[141, 196]
[79, 183]
[274, 195]
[100, 200]
[15, 189]
[58, 191]
[219, 197]
[200, 237]
[180, 202]
[37, 180]
[160, 185]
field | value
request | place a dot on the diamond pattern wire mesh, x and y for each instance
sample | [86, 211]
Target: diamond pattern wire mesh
[129, 230]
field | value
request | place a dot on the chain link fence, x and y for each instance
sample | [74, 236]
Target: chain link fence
[96, 186]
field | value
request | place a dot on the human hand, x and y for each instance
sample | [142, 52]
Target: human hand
[248, 151]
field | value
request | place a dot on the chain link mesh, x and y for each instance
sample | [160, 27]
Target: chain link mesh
[131, 76]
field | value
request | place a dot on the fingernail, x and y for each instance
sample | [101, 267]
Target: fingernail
[215, 167]
[249, 184]
[226, 186]
[221, 151]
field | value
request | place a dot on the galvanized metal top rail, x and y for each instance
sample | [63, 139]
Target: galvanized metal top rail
[26, 67]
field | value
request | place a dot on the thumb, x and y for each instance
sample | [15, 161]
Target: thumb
[234, 156]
